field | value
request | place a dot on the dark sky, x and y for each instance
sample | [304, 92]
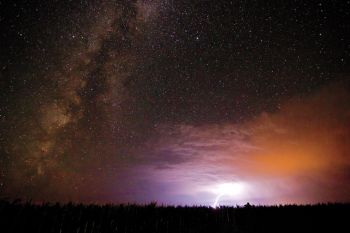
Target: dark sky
[175, 101]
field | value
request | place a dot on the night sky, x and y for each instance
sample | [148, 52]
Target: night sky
[175, 101]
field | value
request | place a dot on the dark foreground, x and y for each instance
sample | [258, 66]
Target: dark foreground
[25, 217]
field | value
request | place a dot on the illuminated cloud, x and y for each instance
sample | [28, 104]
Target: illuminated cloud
[296, 154]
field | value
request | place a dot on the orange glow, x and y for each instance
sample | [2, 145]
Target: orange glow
[304, 137]
[287, 162]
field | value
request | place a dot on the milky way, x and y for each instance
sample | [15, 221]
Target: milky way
[139, 101]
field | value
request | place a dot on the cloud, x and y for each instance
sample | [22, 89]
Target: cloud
[299, 153]
[309, 134]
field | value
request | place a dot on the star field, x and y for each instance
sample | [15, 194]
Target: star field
[134, 101]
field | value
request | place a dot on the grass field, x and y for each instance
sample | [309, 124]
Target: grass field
[78, 218]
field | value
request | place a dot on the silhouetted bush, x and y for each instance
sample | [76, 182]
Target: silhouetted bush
[46, 218]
